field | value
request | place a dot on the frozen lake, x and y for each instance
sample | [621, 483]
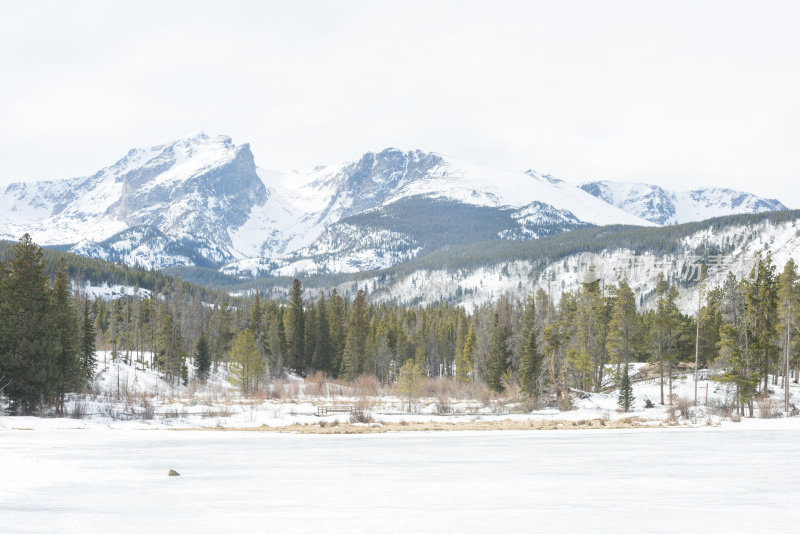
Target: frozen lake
[682, 480]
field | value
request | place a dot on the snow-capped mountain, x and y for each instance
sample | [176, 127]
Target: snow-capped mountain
[665, 207]
[390, 206]
[190, 191]
[201, 200]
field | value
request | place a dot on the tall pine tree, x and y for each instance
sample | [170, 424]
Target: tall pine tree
[88, 341]
[355, 338]
[202, 358]
[30, 346]
[295, 329]
[67, 369]
[530, 366]
[247, 367]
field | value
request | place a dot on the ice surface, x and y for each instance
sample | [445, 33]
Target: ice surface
[688, 480]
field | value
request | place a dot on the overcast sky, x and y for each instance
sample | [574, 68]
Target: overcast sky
[681, 94]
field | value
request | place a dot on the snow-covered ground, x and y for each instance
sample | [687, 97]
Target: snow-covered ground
[729, 479]
[107, 472]
[131, 395]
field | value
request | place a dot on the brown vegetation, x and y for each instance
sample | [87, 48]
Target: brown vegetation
[436, 426]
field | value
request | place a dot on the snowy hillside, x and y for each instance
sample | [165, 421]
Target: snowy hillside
[470, 276]
[665, 207]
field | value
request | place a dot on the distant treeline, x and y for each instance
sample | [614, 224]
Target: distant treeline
[544, 348]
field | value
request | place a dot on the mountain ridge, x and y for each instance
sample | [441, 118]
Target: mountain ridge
[202, 201]
[665, 207]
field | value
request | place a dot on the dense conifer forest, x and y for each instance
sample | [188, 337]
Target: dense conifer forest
[547, 348]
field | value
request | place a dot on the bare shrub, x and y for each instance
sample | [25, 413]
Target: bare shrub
[435, 387]
[768, 408]
[315, 384]
[359, 415]
[175, 412]
[78, 409]
[683, 406]
[223, 411]
[106, 410]
[366, 405]
[512, 390]
[453, 389]
[485, 396]
[290, 390]
[260, 395]
[720, 408]
[443, 406]
[148, 410]
[529, 404]
[499, 407]
[367, 386]
[194, 387]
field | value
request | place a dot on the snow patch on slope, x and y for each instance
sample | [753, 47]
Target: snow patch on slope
[665, 207]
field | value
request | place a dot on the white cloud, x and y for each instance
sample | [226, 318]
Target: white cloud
[676, 93]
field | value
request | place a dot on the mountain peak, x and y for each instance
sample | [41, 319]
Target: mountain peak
[196, 185]
[198, 135]
[665, 207]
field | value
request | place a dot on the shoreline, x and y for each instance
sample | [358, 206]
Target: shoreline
[468, 426]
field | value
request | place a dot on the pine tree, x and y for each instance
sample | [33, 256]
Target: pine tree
[464, 363]
[28, 357]
[256, 315]
[626, 397]
[499, 354]
[322, 358]
[665, 329]
[170, 352]
[202, 358]
[224, 334]
[67, 375]
[762, 314]
[408, 382]
[355, 338]
[734, 347]
[276, 343]
[247, 367]
[5, 340]
[295, 329]
[336, 323]
[788, 305]
[589, 354]
[623, 325]
[530, 366]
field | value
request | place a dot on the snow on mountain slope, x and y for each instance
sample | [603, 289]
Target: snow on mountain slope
[201, 200]
[475, 184]
[666, 207]
[379, 179]
[375, 184]
[473, 286]
[196, 188]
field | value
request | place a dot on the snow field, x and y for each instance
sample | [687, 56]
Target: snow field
[662, 480]
[131, 395]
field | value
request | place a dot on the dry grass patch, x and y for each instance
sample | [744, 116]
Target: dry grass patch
[435, 426]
